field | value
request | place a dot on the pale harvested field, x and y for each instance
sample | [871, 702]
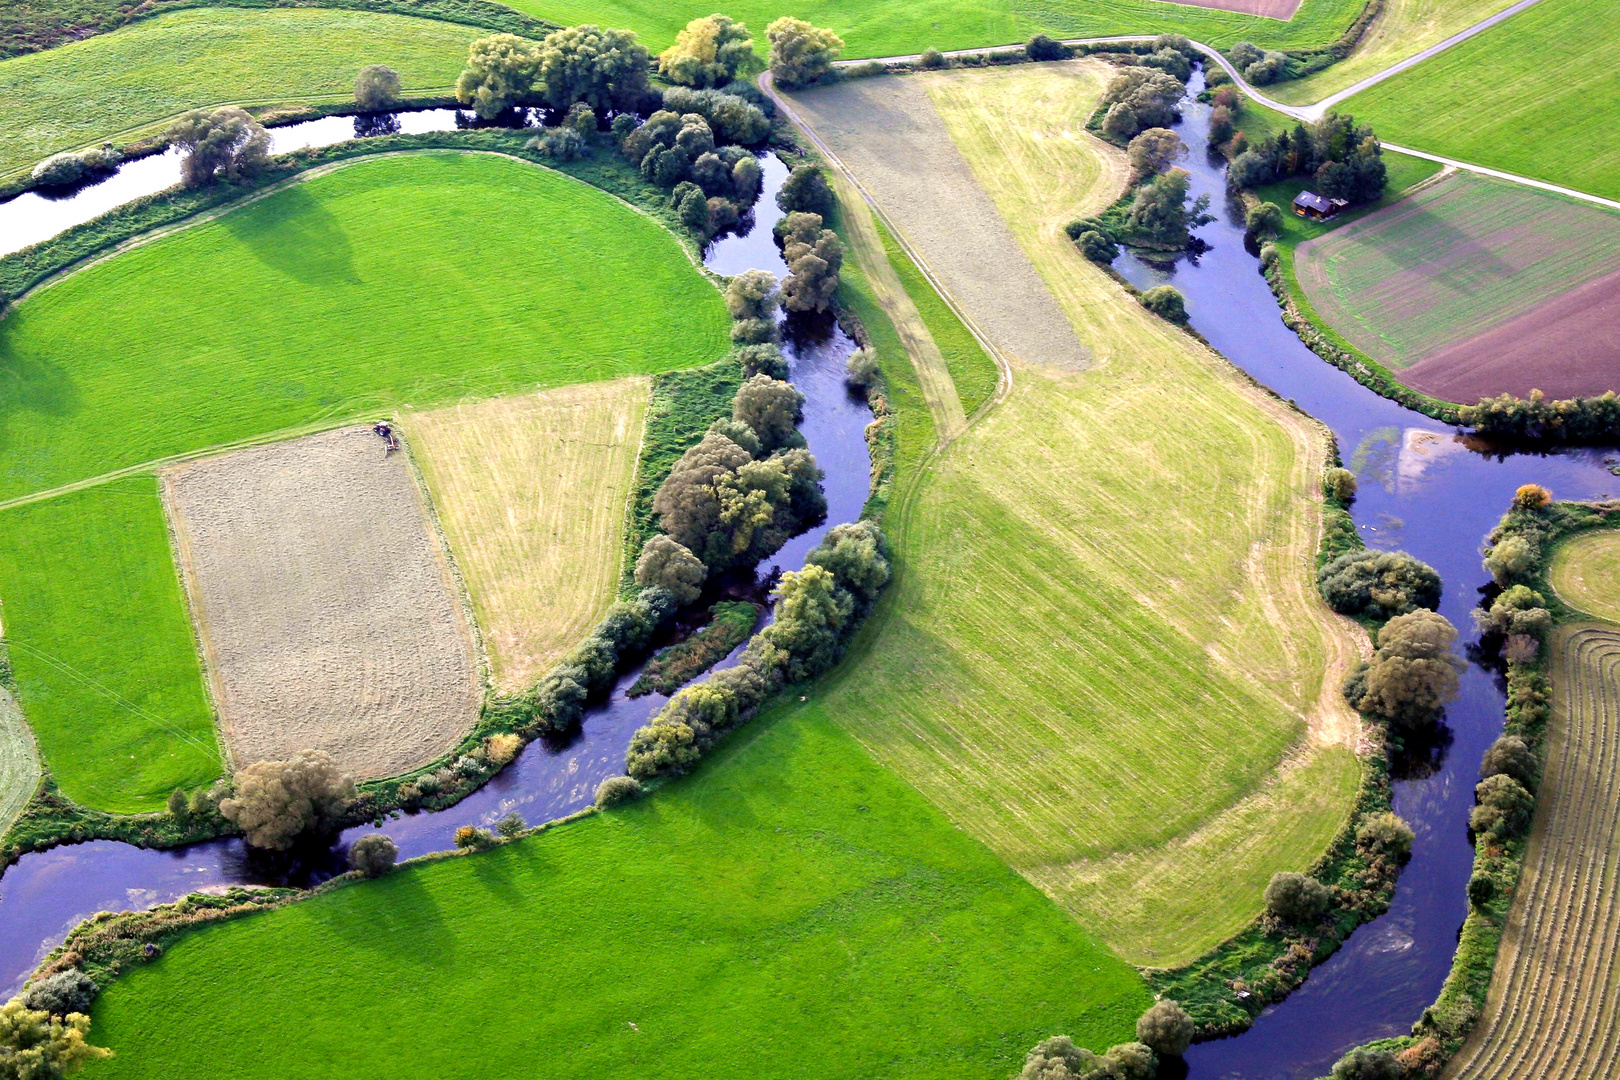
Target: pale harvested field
[325, 603]
[19, 763]
[531, 493]
[1105, 656]
[1554, 1006]
[1271, 9]
[1586, 573]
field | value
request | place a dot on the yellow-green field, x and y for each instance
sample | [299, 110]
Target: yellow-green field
[531, 493]
[1103, 655]
[1586, 573]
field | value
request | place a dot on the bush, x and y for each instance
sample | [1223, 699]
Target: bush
[69, 991]
[710, 51]
[1511, 559]
[511, 826]
[764, 359]
[1120, 121]
[1517, 611]
[275, 802]
[800, 53]
[1481, 889]
[1364, 1063]
[226, 144]
[1384, 834]
[1340, 485]
[1131, 1061]
[1040, 48]
[1378, 584]
[1165, 1028]
[861, 370]
[376, 87]
[1264, 219]
[806, 191]
[932, 59]
[502, 747]
[1413, 673]
[1098, 247]
[373, 855]
[1509, 755]
[731, 118]
[37, 1046]
[616, 790]
[559, 144]
[1269, 255]
[179, 806]
[59, 170]
[1504, 809]
[1166, 302]
[472, 838]
[1296, 898]
[1058, 1058]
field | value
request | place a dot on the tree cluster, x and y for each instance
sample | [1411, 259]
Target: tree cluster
[1574, 420]
[605, 69]
[1160, 215]
[814, 256]
[226, 144]
[1343, 161]
[1139, 98]
[712, 186]
[275, 803]
[801, 54]
[1378, 584]
[1412, 674]
[1058, 1058]
[1518, 618]
[710, 51]
[35, 1045]
[817, 608]
[557, 702]
[1258, 66]
[732, 118]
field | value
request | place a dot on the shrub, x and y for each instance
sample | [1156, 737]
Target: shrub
[800, 53]
[1058, 1058]
[617, 789]
[1264, 219]
[1166, 302]
[373, 855]
[1378, 584]
[806, 191]
[59, 170]
[559, 144]
[69, 991]
[1505, 806]
[376, 87]
[179, 806]
[1384, 834]
[501, 71]
[1165, 1028]
[1365, 1063]
[1296, 898]
[1413, 673]
[1269, 255]
[710, 51]
[1098, 247]
[226, 144]
[1340, 485]
[1531, 497]
[861, 370]
[763, 359]
[1517, 611]
[511, 826]
[1040, 47]
[34, 1045]
[731, 118]
[1481, 889]
[472, 838]
[932, 58]
[502, 747]
[275, 802]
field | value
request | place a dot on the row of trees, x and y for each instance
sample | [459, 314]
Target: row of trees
[1579, 420]
[1164, 1030]
[1344, 161]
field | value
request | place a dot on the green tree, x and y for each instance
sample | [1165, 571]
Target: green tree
[1160, 215]
[1296, 898]
[1339, 484]
[226, 144]
[373, 855]
[1264, 219]
[800, 53]
[710, 51]
[179, 806]
[501, 72]
[1167, 303]
[1120, 121]
[275, 802]
[667, 564]
[1152, 95]
[1413, 673]
[1510, 559]
[1165, 1028]
[811, 614]
[1131, 1061]
[376, 88]
[1153, 151]
[617, 789]
[805, 191]
[605, 69]
[857, 554]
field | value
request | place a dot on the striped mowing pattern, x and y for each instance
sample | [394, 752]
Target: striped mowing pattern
[1554, 1009]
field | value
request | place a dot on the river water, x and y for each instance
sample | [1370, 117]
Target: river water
[1424, 490]
[47, 893]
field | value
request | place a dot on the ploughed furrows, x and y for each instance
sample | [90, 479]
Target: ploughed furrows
[1554, 1009]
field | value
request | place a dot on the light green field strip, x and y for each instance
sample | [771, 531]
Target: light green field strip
[1529, 96]
[119, 85]
[1105, 657]
[1456, 258]
[19, 764]
[1586, 573]
[792, 901]
[103, 650]
[1554, 1006]
[407, 279]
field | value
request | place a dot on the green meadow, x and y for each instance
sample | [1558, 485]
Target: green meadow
[793, 908]
[405, 279]
[106, 665]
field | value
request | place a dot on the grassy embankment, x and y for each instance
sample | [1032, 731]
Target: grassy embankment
[106, 666]
[1103, 656]
[531, 492]
[128, 84]
[1526, 96]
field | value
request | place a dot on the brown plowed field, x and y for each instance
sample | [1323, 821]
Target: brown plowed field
[325, 603]
[1567, 347]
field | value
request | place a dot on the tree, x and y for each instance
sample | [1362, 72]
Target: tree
[1058, 1058]
[814, 256]
[1385, 834]
[1040, 47]
[1250, 169]
[1264, 219]
[686, 502]
[179, 806]
[1518, 610]
[373, 855]
[1509, 559]
[275, 802]
[501, 71]
[1165, 1028]
[711, 51]
[800, 53]
[1413, 673]
[1160, 216]
[1131, 1061]
[811, 613]
[62, 994]
[747, 180]
[35, 1045]
[605, 69]
[1365, 1063]
[617, 789]
[1481, 889]
[1097, 246]
[226, 144]
[1167, 303]
[771, 407]
[1169, 61]
[1339, 484]
[667, 564]
[376, 87]
[1152, 95]
[1222, 125]
[1509, 755]
[1296, 898]
[1153, 151]
[862, 369]
[732, 119]
[805, 191]
[1379, 584]
[857, 554]
[752, 299]
[474, 838]
[1505, 806]
[511, 826]
[763, 360]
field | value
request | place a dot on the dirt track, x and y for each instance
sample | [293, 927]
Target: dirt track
[325, 603]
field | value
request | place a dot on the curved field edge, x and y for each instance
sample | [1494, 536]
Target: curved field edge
[126, 85]
[19, 762]
[1585, 573]
[357, 328]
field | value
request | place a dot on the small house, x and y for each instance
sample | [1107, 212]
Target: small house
[1308, 204]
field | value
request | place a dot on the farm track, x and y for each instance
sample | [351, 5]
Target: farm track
[19, 762]
[1554, 1007]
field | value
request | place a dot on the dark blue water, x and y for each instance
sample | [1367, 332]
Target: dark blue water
[1422, 490]
[47, 893]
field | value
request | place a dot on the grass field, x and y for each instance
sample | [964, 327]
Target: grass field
[531, 493]
[105, 660]
[794, 894]
[1103, 655]
[116, 86]
[1518, 97]
[19, 763]
[1554, 1004]
[1586, 573]
[400, 280]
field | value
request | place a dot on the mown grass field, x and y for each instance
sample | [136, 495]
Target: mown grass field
[1554, 1004]
[19, 762]
[106, 664]
[531, 491]
[392, 281]
[1586, 573]
[1524, 96]
[1103, 655]
[793, 894]
[119, 85]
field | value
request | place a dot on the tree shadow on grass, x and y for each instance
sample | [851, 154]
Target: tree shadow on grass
[31, 384]
[296, 234]
[404, 921]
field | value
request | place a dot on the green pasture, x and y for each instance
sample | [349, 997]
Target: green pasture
[406, 279]
[106, 665]
[1537, 95]
[793, 907]
[131, 82]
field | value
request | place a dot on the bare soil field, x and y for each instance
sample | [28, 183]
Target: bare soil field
[1554, 1007]
[19, 764]
[325, 603]
[1456, 259]
[1567, 347]
[531, 493]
